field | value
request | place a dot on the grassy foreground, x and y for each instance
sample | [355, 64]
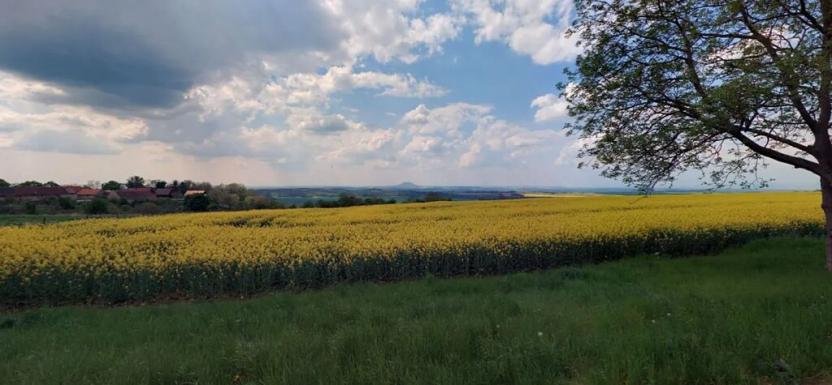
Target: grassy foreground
[758, 314]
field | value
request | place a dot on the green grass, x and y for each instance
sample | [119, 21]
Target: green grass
[18, 220]
[757, 314]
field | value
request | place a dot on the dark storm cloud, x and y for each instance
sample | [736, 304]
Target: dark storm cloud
[146, 54]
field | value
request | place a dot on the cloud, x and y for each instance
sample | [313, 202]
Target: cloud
[299, 102]
[549, 107]
[533, 28]
[497, 142]
[149, 53]
[311, 87]
[389, 30]
[361, 146]
[287, 94]
[468, 135]
[28, 123]
[569, 153]
[193, 84]
[65, 142]
[424, 145]
[447, 119]
[323, 124]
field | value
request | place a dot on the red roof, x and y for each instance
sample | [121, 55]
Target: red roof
[73, 189]
[164, 192]
[88, 192]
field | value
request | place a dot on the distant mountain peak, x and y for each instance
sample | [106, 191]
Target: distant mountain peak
[406, 185]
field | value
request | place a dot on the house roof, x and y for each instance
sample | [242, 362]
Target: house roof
[194, 192]
[136, 194]
[72, 189]
[88, 192]
[39, 192]
[164, 192]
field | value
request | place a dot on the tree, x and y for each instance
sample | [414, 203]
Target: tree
[51, 184]
[184, 186]
[30, 183]
[159, 183]
[230, 196]
[111, 185]
[4, 184]
[722, 87]
[135, 182]
[199, 202]
[98, 206]
[147, 208]
[66, 203]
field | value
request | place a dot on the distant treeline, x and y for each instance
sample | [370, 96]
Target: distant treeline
[115, 198]
[346, 200]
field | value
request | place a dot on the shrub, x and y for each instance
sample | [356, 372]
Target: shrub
[197, 202]
[66, 203]
[30, 208]
[147, 208]
[98, 206]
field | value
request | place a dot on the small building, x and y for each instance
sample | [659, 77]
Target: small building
[37, 193]
[135, 194]
[6, 192]
[73, 189]
[163, 192]
[85, 194]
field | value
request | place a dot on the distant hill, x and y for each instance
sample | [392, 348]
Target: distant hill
[406, 186]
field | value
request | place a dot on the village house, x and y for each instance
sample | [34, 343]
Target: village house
[167, 193]
[35, 193]
[86, 194]
[73, 189]
[135, 194]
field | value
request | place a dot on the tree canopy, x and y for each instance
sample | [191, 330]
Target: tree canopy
[111, 185]
[717, 86]
[135, 182]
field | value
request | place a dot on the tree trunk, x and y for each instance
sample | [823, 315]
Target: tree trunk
[826, 204]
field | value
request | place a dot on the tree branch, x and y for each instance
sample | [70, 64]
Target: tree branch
[777, 155]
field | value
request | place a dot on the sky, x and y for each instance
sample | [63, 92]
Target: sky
[289, 93]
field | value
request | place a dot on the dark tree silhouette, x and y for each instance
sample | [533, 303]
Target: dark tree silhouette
[111, 185]
[135, 182]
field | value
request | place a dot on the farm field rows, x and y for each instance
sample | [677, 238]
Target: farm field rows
[241, 253]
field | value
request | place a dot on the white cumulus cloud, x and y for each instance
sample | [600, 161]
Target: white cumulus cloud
[536, 28]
